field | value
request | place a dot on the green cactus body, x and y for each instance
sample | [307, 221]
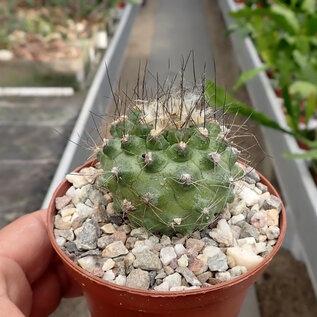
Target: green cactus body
[169, 172]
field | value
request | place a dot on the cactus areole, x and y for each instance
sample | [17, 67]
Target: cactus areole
[169, 165]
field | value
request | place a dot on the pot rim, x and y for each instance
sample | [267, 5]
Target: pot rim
[223, 285]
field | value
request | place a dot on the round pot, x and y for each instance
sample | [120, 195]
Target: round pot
[108, 299]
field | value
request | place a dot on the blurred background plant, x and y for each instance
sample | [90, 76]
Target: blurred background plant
[49, 24]
[284, 34]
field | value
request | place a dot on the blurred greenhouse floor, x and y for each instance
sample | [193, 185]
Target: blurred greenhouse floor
[30, 147]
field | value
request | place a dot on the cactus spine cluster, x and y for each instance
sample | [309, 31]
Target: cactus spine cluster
[169, 164]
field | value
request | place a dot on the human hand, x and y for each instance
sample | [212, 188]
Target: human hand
[32, 280]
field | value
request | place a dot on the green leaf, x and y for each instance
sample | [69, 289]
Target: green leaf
[309, 6]
[217, 96]
[285, 17]
[303, 89]
[310, 107]
[248, 75]
[308, 155]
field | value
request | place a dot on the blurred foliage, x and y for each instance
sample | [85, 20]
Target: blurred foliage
[44, 17]
[284, 33]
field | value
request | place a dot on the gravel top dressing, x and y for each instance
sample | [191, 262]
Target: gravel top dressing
[103, 242]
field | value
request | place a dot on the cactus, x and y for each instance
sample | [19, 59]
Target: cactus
[169, 164]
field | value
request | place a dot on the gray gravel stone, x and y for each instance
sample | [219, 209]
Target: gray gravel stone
[252, 174]
[272, 203]
[189, 276]
[138, 279]
[67, 234]
[140, 233]
[87, 237]
[195, 244]
[147, 260]
[218, 263]
[165, 241]
[248, 231]
[263, 188]
[104, 241]
[204, 277]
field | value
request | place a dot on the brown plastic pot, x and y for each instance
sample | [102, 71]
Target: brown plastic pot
[108, 299]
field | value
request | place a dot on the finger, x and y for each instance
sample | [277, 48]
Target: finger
[14, 288]
[46, 294]
[9, 309]
[49, 289]
[26, 242]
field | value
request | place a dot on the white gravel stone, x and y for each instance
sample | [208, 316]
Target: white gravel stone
[66, 234]
[129, 259]
[163, 287]
[77, 180]
[108, 228]
[108, 265]
[138, 279]
[222, 234]
[165, 240]
[71, 191]
[237, 207]
[183, 261]
[90, 174]
[147, 260]
[179, 249]
[61, 202]
[109, 276]
[173, 280]
[273, 232]
[183, 288]
[114, 250]
[237, 270]
[236, 219]
[211, 251]
[88, 263]
[272, 217]
[223, 276]
[259, 219]
[249, 196]
[244, 257]
[167, 255]
[110, 209]
[84, 211]
[260, 247]
[139, 248]
[140, 233]
[62, 223]
[121, 280]
[60, 241]
[203, 258]
[67, 212]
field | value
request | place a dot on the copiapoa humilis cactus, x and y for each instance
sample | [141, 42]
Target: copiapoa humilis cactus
[169, 164]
